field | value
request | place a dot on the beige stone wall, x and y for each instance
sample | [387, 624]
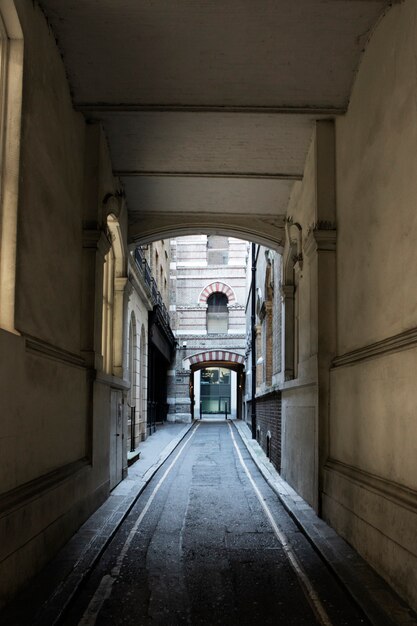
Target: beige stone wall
[50, 178]
[349, 409]
[377, 188]
[371, 481]
[55, 417]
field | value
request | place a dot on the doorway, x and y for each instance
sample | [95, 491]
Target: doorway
[215, 390]
[116, 437]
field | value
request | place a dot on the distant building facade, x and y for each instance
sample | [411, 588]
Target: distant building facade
[150, 340]
[207, 308]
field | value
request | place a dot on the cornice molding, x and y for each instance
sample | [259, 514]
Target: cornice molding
[112, 381]
[202, 174]
[402, 341]
[46, 350]
[21, 496]
[398, 494]
[127, 107]
[320, 241]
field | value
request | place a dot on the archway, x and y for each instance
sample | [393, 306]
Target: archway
[216, 384]
[267, 231]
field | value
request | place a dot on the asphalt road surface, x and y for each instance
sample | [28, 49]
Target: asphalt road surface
[209, 543]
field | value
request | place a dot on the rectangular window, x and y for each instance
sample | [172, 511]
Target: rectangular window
[217, 323]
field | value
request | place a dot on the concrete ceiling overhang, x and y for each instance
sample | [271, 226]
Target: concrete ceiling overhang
[209, 107]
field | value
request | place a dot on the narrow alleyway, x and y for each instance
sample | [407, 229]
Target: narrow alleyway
[203, 545]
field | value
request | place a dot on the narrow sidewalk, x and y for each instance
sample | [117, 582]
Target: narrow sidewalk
[45, 598]
[381, 605]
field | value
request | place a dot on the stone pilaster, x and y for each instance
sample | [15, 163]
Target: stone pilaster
[95, 247]
[287, 294]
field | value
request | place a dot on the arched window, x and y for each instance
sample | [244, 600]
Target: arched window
[217, 313]
[217, 250]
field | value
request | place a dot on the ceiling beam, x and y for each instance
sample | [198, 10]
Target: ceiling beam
[103, 107]
[163, 174]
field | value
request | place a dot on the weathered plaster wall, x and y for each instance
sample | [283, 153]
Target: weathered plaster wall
[54, 435]
[371, 484]
[51, 175]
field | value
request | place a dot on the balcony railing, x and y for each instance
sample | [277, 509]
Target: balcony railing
[145, 271]
[154, 291]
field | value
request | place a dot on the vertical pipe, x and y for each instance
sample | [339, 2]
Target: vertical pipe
[253, 341]
[132, 428]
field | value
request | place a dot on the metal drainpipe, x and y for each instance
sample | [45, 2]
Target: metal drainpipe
[253, 341]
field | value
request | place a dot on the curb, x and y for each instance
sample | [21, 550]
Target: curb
[376, 599]
[53, 608]
[57, 604]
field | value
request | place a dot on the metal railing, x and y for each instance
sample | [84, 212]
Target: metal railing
[145, 270]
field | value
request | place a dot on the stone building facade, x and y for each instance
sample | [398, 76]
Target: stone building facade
[148, 276]
[207, 309]
[267, 351]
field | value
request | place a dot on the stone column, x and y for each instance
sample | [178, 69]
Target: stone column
[321, 246]
[120, 325]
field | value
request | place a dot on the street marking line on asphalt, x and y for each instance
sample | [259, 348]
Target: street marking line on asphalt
[104, 589]
[306, 585]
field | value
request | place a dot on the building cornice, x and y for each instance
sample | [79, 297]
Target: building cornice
[402, 341]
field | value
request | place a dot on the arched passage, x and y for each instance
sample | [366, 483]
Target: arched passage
[218, 150]
[217, 383]
[268, 230]
[217, 356]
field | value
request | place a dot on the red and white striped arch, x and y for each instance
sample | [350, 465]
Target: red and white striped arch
[219, 288]
[217, 355]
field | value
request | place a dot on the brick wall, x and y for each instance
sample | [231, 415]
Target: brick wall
[268, 419]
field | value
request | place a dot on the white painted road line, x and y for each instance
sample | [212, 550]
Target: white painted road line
[105, 587]
[305, 583]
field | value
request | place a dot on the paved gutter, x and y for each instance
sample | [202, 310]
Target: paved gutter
[381, 605]
[58, 582]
